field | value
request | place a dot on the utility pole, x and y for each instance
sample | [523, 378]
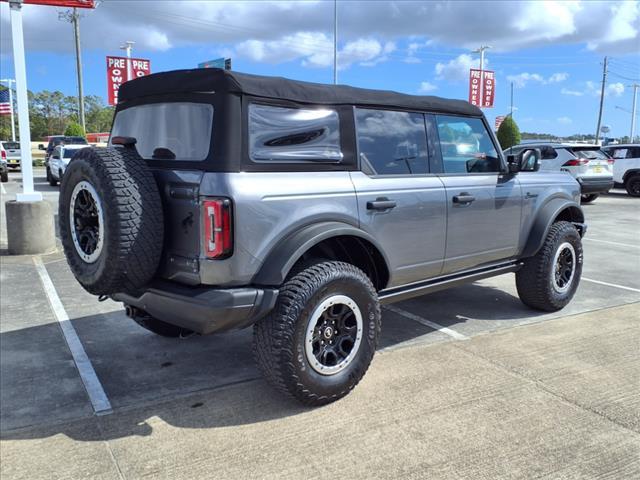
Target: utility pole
[74, 18]
[9, 81]
[335, 42]
[481, 52]
[128, 46]
[604, 82]
[633, 112]
[511, 101]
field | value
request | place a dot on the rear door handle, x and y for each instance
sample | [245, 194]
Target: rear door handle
[381, 204]
[463, 198]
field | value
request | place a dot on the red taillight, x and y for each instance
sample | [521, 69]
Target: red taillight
[4, 154]
[217, 227]
[576, 163]
[610, 161]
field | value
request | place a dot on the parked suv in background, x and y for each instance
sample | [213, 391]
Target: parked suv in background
[227, 200]
[13, 155]
[59, 160]
[626, 169]
[4, 170]
[56, 140]
[588, 164]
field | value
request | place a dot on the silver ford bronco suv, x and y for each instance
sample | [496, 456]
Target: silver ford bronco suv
[227, 200]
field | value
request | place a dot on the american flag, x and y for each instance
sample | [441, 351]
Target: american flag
[5, 104]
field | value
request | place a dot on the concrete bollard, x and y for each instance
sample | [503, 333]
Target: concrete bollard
[30, 228]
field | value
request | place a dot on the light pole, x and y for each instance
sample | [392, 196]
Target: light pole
[481, 52]
[633, 111]
[74, 18]
[335, 42]
[128, 46]
[9, 81]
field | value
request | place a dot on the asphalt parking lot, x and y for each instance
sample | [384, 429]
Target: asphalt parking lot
[468, 383]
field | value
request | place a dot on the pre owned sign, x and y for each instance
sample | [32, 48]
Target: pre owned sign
[117, 74]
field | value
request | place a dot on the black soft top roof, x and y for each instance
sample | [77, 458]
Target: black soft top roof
[223, 81]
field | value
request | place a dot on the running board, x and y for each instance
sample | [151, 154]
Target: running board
[405, 292]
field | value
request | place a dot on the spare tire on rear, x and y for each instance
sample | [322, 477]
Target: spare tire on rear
[111, 222]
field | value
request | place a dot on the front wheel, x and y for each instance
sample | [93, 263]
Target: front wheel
[549, 279]
[319, 340]
[588, 198]
[632, 185]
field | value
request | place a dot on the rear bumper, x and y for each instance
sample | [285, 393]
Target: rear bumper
[203, 309]
[595, 185]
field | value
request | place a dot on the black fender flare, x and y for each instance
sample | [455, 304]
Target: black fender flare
[544, 219]
[283, 257]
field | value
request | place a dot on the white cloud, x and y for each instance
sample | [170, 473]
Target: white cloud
[608, 27]
[564, 120]
[521, 79]
[615, 89]
[594, 89]
[575, 93]
[558, 77]
[458, 68]
[426, 87]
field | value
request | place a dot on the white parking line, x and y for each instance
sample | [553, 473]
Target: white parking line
[97, 396]
[2, 189]
[428, 323]
[611, 284]
[611, 243]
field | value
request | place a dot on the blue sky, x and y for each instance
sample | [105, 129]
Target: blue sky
[552, 52]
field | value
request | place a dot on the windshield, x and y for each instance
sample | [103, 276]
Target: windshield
[168, 131]
[70, 152]
[589, 154]
[11, 145]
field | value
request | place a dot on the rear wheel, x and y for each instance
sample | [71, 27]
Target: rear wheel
[549, 279]
[4, 177]
[632, 185]
[319, 340]
[588, 198]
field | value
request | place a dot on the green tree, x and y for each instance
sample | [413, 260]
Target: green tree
[508, 133]
[74, 129]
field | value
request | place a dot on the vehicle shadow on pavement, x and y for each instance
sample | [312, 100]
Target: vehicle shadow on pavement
[198, 382]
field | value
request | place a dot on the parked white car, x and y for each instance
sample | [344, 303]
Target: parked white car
[12, 152]
[588, 164]
[626, 169]
[60, 158]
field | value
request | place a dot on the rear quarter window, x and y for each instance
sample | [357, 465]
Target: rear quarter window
[293, 135]
[168, 131]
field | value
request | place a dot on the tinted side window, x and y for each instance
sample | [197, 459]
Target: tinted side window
[466, 146]
[281, 134]
[392, 142]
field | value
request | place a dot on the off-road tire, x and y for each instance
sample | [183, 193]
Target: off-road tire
[632, 185]
[4, 177]
[279, 338]
[52, 181]
[133, 220]
[588, 198]
[534, 281]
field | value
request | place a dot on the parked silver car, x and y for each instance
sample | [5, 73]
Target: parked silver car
[588, 164]
[227, 200]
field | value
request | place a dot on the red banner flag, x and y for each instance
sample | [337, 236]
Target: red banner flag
[474, 87]
[61, 3]
[117, 74]
[488, 88]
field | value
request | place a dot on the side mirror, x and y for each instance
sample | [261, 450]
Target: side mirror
[529, 160]
[40, 147]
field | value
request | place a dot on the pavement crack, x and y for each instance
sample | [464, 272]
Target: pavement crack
[121, 475]
[541, 386]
